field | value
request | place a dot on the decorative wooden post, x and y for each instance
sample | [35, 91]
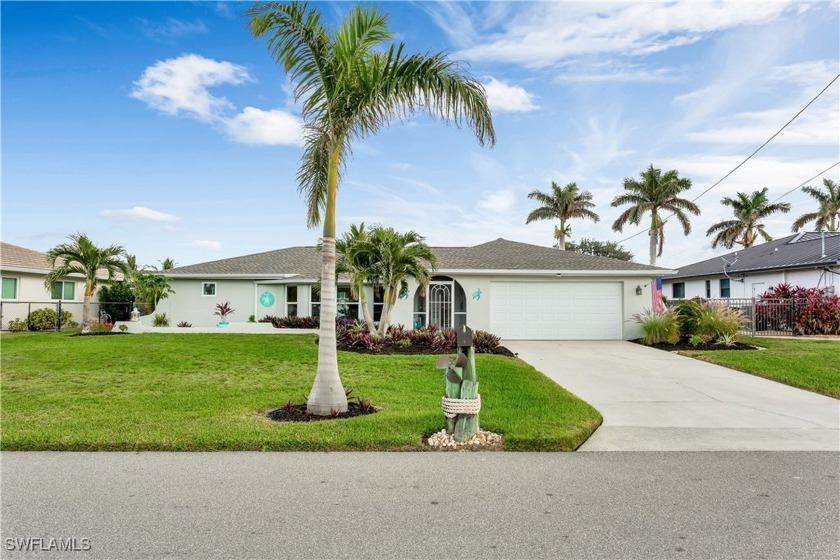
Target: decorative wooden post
[461, 401]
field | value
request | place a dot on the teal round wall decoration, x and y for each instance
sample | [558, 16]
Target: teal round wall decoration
[266, 299]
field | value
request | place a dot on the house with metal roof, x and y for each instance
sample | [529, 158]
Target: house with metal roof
[515, 290]
[809, 259]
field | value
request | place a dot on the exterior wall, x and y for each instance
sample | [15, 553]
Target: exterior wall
[188, 303]
[31, 290]
[754, 284]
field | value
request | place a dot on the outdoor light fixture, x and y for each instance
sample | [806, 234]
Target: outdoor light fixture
[639, 290]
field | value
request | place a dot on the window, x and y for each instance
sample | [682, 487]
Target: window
[678, 290]
[315, 300]
[708, 289]
[378, 302]
[348, 306]
[10, 287]
[208, 289]
[64, 290]
[724, 287]
[291, 301]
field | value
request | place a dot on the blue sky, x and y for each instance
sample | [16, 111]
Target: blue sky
[164, 127]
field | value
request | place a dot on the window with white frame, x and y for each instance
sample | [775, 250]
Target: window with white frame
[678, 290]
[10, 287]
[208, 289]
[724, 287]
[291, 301]
[64, 290]
[708, 289]
[315, 300]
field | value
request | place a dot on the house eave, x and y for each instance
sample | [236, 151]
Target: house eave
[556, 272]
[809, 266]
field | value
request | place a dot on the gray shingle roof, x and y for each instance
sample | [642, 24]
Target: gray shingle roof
[500, 254]
[801, 250]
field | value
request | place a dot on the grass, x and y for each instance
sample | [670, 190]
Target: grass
[807, 364]
[204, 392]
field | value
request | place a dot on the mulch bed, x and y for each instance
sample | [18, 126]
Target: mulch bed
[100, 333]
[683, 345]
[297, 413]
[386, 349]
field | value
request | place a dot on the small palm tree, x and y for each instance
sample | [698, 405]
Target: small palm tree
[168, 264]
[82, 256]
[745, 228]
[564, 204]
[350, 89]
[827, 217]
[654, 193]
[356, 261]
[396, 257]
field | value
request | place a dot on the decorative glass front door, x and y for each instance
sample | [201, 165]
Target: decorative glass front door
[440, 304]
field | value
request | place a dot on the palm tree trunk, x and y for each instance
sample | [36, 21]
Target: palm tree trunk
[366, 315]
[327, 393]
[561, 241]
[86, 309]
[654, 237]
[388, 304]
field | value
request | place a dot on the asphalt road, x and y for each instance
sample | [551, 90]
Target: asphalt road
[424, 505]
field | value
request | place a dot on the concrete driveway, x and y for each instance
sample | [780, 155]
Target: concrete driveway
[653, 400]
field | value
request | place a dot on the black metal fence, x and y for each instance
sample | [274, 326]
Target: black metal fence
[764, 317]
[58, 315]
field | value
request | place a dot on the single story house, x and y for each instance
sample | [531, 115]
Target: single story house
[808, 259]
[512, 289]
[23, 271]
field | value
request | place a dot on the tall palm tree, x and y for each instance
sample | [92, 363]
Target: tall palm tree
[82, 256]
[350, 88]
[564, 204]
[355, 260]
[168, 264]
[827, 217]
[396, 257]
[744, 229]
[654, 193]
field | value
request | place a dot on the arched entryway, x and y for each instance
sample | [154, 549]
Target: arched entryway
[442, 303]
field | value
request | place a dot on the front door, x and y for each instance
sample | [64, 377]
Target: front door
[440, 304]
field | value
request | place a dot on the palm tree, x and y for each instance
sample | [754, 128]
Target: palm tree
[82, 256]
[396, 257]
[746, 227]
[168, 264]
[350, 89]
[354, 260]
[654, 193]
[564, 204]
[828, 215]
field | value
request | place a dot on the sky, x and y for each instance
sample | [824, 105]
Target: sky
[165, 127]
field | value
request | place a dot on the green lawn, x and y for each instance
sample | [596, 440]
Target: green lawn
[205, 392]
[808, 364]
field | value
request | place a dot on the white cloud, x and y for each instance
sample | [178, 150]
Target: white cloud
[546, 33]
[399, 166]
[204, 243]
[497, 201]
[171, 29]
[266, 128]
[140, 212]
[180, 86]
[612, 72]
[506, 98]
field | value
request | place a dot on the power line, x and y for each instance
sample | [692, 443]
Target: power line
[823, 172]
[749, 157]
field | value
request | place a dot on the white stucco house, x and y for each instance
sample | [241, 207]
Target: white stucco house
[512, 289]
[23, 271]
[809, 259]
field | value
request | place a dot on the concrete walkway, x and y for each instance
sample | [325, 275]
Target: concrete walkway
[658, 401]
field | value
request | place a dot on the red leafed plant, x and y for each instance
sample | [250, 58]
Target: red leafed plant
[802, 310]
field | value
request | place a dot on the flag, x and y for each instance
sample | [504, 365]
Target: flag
[656, 295]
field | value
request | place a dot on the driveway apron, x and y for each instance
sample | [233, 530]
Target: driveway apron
[658, 401]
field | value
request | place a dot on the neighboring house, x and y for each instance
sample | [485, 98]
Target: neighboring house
[515, 290]
[810, 259]
[23, 271]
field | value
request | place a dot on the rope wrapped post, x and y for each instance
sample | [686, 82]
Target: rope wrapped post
[461, 402]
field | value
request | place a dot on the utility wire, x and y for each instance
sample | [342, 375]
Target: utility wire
[824, 171]
[749, 157]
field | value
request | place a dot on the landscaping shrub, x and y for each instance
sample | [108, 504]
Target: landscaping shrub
[820, 315]
[659, 327]
[121, 293]
[804, 311]
[184, 325]
[355, 334]
[44, 320]
[123, 328]
[717, 321]
[485, 343]
[160, 320]
[102, 328]
[688, 313]
[18, 325]
[292, 322]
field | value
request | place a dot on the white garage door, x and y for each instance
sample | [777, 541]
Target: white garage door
[556, 310]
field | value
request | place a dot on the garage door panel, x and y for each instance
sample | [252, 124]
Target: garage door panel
[556, 310]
